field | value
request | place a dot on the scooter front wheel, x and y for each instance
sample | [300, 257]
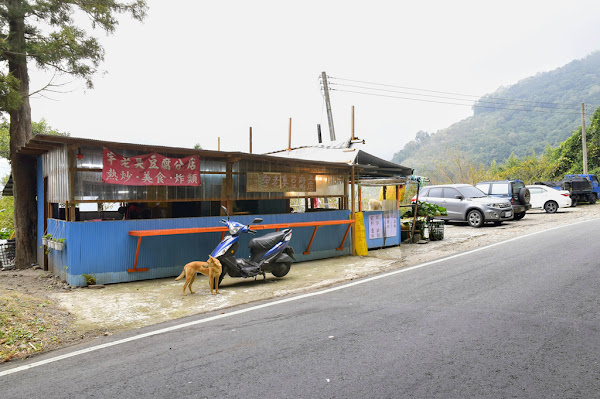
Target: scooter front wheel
[281, 269]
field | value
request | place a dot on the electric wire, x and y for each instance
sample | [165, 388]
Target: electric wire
[482, 100]
[503, 103]
[452, 103]
[455, 94]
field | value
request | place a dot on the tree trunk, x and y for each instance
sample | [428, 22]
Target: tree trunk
[23, 167]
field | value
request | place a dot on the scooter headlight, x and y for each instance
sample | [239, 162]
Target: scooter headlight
[234, 229]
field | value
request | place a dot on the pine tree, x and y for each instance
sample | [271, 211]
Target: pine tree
[45, 32]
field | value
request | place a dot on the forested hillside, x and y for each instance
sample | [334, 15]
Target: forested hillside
[527, 117]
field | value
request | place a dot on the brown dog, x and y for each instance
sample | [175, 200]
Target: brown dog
[212, 268]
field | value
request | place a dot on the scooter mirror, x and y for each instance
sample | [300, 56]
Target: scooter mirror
[257, 220]
[225, 209]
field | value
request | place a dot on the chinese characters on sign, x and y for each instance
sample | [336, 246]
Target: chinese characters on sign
[150, 170]
[375, 226]
[391, 225]
[281, 182]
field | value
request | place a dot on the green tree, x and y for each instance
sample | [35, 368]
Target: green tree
[46, 32]
[40, 127]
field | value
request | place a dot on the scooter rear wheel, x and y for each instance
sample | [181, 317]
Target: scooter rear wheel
[281, 269]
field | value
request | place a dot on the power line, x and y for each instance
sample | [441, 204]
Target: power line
[483, 100]
[451, 103]
[454, 94]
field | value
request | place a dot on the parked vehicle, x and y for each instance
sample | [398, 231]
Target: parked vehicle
[593, 179]
[463, 202]
[548, 198]
[512, 190]
[269, 253]
[580, 188]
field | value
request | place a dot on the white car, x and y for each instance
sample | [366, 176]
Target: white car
[548, 198]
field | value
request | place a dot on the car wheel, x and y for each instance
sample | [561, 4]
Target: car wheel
[551, 207]
[592, 199]
[475, 218]
[574, 201]
[524, 196]
[519, 216]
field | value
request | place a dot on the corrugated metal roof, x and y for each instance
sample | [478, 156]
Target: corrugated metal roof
[41, 144]
[347, 152]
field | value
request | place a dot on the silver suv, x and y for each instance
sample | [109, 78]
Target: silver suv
[465, 202]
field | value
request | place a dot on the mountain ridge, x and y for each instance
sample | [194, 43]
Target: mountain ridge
[542, 110]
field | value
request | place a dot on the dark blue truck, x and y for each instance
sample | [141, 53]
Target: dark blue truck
[583, 188]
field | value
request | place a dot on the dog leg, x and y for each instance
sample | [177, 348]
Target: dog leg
[185, 285]
[217, 284]
[211, 283]
[192, 281]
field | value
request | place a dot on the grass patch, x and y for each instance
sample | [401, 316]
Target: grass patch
[26, 326]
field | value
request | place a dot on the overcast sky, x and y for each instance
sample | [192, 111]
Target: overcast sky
[198, 70]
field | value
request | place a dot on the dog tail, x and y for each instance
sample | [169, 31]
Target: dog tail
[182, 275]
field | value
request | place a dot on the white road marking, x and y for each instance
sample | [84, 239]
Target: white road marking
[269, 304]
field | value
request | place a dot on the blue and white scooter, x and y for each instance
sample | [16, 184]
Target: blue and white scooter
[269, 253]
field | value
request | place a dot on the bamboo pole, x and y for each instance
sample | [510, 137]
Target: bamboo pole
[352, 123]
[290, 136]
[352, 211]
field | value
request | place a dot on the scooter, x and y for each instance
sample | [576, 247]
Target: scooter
[269, 253]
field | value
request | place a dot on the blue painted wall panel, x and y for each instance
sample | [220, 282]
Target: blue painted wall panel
[106, 250]
[381, 242]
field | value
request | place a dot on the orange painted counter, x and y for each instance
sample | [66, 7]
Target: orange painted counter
[223, 229]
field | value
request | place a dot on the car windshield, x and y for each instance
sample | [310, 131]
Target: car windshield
[471, 192]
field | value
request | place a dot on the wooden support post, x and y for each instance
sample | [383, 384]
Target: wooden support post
[290, 136]
[250, 151]
[415, 210]
[359, 198]
[352, 210]
[352, 137]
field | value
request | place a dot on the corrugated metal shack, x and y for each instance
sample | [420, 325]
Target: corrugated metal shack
[382, 226]
[73, 172]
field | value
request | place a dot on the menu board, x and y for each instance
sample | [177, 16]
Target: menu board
[375, 226]
[390, 223]
[280, 182]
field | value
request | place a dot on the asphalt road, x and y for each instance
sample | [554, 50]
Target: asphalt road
[517, 319]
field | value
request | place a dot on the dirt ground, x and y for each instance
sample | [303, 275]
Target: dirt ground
[38, 312]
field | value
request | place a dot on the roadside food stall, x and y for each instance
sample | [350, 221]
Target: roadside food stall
[156, 208]
[381, 226]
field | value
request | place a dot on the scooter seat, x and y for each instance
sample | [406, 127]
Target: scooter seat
[268, 240]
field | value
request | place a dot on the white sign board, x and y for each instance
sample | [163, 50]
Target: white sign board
[391, 224]
[375, 226]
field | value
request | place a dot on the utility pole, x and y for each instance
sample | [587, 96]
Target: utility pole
[328, 105]
[583, 139]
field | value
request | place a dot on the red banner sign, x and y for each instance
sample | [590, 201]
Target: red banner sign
[150, 170]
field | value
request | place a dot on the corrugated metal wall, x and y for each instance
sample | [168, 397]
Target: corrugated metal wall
[383, 241]
[56, 168]
[106, 250]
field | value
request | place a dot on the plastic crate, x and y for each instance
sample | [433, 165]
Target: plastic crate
[436, 230]
[7, 253]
